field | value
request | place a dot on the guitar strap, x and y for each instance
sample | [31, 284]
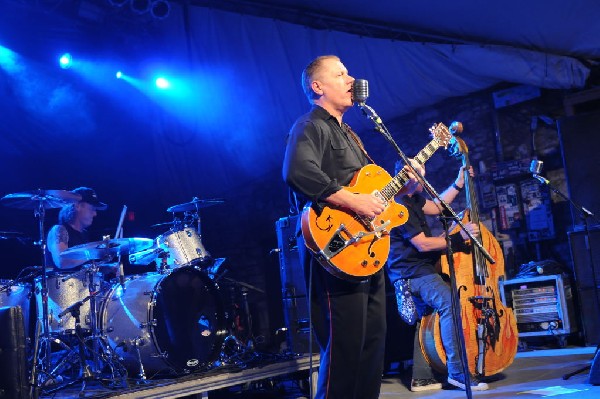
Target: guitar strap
[348, 130]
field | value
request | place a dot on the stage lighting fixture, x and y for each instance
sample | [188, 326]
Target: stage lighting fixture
[65, 61]
[160, 9]
[140, 6]
[119, 74]
[162, 83]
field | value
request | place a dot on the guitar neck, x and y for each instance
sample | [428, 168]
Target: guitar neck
[398, 181]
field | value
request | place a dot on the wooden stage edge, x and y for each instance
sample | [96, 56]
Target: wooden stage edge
[203, 384]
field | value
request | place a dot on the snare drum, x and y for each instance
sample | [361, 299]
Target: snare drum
[64, 290]
[184, 247]
[176, 320]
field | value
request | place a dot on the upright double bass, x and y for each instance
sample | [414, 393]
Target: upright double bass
[489, 327]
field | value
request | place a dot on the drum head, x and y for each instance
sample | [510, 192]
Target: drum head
[190, 326]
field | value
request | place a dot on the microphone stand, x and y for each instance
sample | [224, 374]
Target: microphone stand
[585, 215]
[380, 127]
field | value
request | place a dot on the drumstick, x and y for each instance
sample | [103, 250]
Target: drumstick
[119, 232]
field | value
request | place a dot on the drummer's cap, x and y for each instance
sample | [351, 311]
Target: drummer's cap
[89, 195]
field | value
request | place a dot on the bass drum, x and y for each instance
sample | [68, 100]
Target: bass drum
[176, 320]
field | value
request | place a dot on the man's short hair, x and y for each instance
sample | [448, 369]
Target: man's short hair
[309, 73]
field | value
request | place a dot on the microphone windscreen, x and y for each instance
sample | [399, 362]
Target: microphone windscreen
[360, 91]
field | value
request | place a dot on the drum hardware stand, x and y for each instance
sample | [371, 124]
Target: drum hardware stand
[86, 371]
[137, 342]
[99, 350]
[232, 345]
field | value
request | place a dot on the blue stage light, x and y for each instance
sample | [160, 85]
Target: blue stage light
[119, 74]
[65, 61]
[162, 83]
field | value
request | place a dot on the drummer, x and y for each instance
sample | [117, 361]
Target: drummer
[73, 221]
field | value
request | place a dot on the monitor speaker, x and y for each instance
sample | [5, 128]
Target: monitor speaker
[581, 161]
[13, 357]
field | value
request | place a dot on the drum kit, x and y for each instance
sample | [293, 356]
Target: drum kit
[165, 323]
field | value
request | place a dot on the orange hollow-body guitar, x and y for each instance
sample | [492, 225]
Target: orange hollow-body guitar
[353, 247]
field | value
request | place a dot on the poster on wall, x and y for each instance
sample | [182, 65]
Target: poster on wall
[487, 191]
[537, 210]
[510, 216]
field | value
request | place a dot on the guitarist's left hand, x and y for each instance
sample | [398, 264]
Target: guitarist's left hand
[413, 183]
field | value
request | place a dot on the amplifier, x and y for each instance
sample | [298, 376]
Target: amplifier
[543, 305]
[295, 300]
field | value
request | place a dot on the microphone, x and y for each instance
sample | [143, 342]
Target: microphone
[535, 168]
[145, 256]
[360, 91]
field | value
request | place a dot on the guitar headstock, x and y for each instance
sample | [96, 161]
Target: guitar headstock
[441, 134]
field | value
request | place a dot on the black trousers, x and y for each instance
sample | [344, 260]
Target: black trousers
[350, 326]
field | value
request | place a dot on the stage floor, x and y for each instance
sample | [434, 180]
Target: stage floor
[533, 374]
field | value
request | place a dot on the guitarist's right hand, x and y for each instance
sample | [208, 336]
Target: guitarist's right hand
[362, 204]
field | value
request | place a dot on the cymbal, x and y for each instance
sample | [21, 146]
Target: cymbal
[40, 198]
[11, 234]
[103, 249]
[163, 224]
[194, 204]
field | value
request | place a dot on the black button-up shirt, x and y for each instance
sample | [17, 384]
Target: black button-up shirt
[320, 157]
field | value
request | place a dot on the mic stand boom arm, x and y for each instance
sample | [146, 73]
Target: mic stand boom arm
[585, 213]
[380, 127]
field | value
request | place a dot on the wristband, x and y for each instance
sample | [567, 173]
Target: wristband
[456, 187]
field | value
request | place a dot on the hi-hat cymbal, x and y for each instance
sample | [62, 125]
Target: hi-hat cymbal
[194, 204]
[106, 248]
[40, 198]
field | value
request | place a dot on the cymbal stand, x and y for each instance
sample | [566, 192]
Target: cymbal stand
[250, 343]
[44, 335]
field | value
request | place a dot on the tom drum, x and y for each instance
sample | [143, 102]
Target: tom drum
[184, 247]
